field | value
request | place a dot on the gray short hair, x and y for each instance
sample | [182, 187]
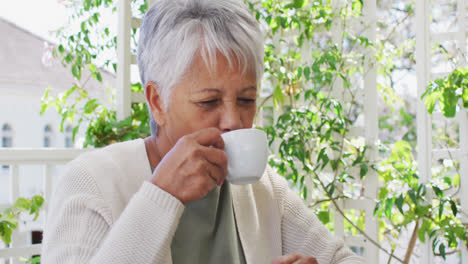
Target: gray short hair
[174, 31]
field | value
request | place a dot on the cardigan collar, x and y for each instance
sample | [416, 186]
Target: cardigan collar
[259, 241]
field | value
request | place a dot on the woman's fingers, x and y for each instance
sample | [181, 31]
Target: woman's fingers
[306, 260]
[215, 172]
[215, 156]
[209, 137]
[287, 259]
[193, 166]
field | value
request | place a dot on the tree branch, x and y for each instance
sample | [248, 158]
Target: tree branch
[412, 242]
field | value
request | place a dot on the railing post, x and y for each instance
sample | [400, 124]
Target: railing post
[47, 184]
[14, 195]
[371, 181]
[336, 34]
[424, 121]
[123, 94]
[463, 120]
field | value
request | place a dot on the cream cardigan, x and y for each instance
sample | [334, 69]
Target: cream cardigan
[104, 210]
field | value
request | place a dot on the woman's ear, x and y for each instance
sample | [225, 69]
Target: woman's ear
[156, 103]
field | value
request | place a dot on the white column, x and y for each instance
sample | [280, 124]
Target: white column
[371, 126]
[464, 174]
[337, 31]
[16, 239]
[123, 94]
[463, 119]
[47, 186]
[424, 122]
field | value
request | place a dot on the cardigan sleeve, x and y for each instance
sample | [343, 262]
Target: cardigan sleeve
[303, 233]
[80, 227]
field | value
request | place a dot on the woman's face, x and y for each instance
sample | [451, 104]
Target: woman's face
[224, 99]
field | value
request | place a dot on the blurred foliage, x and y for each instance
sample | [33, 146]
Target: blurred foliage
[9, 217]
[315, 54]
[448, 92]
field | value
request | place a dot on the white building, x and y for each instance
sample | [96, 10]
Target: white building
[27, 68]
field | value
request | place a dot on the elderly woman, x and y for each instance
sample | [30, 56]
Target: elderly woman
[164, 199]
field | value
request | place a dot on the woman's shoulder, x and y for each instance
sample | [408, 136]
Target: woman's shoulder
[115, 153]
[111, 173]
[118, 157]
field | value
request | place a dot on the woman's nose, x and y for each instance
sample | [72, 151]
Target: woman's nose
[230, 118]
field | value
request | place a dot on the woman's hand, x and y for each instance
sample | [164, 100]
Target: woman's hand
[294, 259]
[193, 166]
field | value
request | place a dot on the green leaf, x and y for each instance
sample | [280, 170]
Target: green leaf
[44, 101]
[83, 26]
[9, 219]
[430, 101]
[136, 87]
[5, 233]
[83, 93]
[298, 3]
[36, 260]
[75, 131]
[331, 189]
[90, 106]
[448, 180]
[465, 96]
[99, 76]
[68, 92]
[76, 71]
[422, 235]
[441, 208]
[442, 250]
[87, 5]
[299, 73]
[421, 210]
[448, 102]
[377, 207]
[22, 204]
[324, 217]
[399, 203]
[307, 72]
[278, 96]
[453, 205]
[36, 203]
[364, 170]
[383, 193]
[412, 195]
[388, 207]
[92, 67]
[61, 49]
[456, 179]
[423, 230]
[438, 192]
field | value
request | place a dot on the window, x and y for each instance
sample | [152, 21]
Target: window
[7, 139]
[69, 136]
[47, 136]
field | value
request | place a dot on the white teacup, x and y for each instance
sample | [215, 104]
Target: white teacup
[247, 153]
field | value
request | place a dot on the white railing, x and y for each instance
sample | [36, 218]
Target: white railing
[425, 38]
[15, 158]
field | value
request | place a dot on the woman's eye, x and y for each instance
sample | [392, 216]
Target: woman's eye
[208, 102]
[246, 101]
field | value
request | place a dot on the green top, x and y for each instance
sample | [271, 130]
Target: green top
[207, 231]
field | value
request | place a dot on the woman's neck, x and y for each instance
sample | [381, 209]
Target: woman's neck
[153, 151]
